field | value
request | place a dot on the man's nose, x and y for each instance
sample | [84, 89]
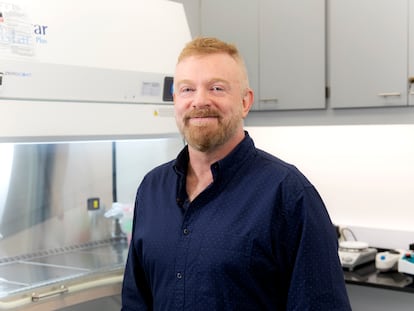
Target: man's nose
[201, 98]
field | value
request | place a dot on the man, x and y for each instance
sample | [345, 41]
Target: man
[226, 226]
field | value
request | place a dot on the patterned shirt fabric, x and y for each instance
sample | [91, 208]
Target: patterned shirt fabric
[257, 238]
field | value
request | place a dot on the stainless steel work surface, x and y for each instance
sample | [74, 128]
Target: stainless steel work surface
[91, 259]
[7, 287]
[21, 275]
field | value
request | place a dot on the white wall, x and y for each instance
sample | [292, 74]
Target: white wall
[364, 173]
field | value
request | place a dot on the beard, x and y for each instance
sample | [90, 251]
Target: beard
[206, 137]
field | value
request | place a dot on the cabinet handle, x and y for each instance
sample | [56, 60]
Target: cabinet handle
[268, 99]
[61, 290]
[389, 94]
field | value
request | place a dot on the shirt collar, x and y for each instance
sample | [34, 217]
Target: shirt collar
[225, 167]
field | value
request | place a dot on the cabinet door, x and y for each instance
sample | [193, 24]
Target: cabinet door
[368, 48]
[292, 54]
[235, 21]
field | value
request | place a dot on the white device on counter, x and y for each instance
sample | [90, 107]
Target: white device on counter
[355, 253]
[387, 260]
[406, 263]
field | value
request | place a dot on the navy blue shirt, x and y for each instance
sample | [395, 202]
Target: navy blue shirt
[258, 238]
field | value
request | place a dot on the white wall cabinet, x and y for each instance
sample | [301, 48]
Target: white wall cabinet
[368, 53]
[235, 21]
[292, 54]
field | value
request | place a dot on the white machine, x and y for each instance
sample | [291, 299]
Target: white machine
[406, 263]
[387, 260]
[88, 68]
[76, 78]
[355, 253]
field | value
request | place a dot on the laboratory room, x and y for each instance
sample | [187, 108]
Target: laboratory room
[107, 114]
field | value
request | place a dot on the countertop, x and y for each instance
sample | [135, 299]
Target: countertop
[368, 275]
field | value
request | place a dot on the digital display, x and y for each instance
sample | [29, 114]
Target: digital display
[168, 89]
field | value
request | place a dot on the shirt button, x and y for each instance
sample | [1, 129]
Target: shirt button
[186, 231]
[179, 275]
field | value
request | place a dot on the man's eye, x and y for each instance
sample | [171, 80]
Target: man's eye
[186, 90]
[217, 88]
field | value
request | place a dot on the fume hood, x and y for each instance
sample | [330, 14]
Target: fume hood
[85, 110]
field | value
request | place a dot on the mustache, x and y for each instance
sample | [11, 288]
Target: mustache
[202, 113]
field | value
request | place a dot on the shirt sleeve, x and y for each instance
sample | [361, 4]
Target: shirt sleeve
[317, 281]
[136, 293]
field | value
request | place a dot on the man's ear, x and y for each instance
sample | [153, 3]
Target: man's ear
[247, 101]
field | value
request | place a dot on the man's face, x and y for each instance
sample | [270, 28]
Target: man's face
[210, 103]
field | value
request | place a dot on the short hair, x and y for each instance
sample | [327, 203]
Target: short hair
[201, 46]
[208, 45]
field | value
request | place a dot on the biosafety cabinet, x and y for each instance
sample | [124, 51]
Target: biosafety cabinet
[85, 111]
